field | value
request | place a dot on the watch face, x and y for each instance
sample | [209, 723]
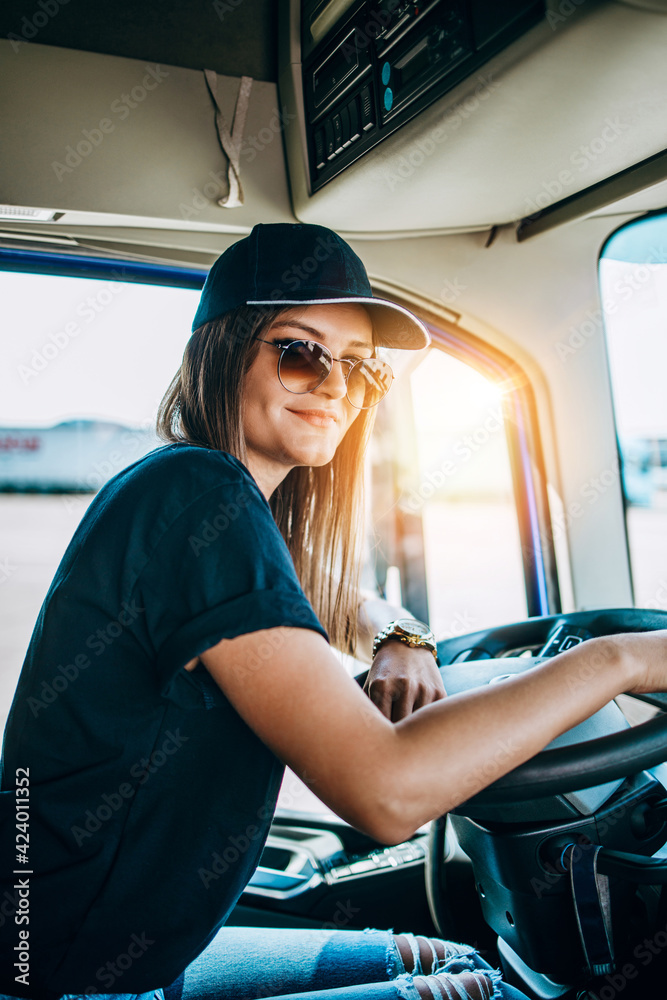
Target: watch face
[412, 627]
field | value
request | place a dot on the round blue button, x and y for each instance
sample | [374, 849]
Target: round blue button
[388, 98]
[386, 73]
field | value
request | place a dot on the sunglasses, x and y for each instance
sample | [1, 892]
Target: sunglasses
[303, 365]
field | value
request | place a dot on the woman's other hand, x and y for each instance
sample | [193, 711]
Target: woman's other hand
[648, 650]
[402, 679]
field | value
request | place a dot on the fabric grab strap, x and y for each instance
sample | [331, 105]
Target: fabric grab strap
[231, 142]
[590, 894]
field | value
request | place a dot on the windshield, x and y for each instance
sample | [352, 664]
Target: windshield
[633, 284]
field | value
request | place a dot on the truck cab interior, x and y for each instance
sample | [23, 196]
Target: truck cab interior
[500, 169]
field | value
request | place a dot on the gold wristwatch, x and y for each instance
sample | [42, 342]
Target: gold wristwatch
[411, 632]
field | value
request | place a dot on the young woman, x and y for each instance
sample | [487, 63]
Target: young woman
[180, 659]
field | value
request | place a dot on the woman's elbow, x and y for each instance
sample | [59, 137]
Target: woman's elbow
[384, 819]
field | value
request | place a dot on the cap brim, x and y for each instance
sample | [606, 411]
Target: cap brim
[393, 325]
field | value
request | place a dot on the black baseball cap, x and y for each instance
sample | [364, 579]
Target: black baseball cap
[301, 264]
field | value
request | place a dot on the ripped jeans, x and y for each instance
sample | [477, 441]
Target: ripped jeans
[248, 963]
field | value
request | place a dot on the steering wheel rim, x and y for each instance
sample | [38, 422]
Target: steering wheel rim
[580, 765]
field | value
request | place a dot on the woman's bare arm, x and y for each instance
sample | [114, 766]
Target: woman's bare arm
[388, 779]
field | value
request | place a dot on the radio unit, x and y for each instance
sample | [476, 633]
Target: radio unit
[368, 66]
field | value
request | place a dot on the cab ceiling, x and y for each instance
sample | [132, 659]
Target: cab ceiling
[233, 37]
[578, 99]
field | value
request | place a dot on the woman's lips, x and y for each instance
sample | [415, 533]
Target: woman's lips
[318, 418]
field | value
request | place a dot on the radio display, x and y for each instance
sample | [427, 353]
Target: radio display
[370, 66]
[414, 61]
[423, 55]
[343, 62]
[327, 17]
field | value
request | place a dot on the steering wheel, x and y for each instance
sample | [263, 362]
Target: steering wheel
[486, 656]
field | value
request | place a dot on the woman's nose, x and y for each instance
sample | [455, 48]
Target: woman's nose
[334, 385]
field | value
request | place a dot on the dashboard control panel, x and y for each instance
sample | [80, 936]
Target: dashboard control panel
[369, 66]
[298, 859]
[345, 866]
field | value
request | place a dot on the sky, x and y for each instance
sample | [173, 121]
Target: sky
[634, 298]
[82, 348]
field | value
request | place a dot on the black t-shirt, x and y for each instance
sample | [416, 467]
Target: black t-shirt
[149, 797]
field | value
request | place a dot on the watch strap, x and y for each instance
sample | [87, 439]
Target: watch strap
[394, 631]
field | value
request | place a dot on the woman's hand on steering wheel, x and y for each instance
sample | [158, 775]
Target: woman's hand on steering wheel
[649, 651]
[403, 679]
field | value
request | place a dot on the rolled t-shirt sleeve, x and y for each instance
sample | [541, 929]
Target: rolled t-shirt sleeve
[219, 569]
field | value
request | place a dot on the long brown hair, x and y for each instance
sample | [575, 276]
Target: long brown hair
[319, 510]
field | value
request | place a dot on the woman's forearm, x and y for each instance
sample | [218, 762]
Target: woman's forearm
[389, 778]
[459, 745]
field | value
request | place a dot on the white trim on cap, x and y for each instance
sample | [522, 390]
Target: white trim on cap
[362, 300]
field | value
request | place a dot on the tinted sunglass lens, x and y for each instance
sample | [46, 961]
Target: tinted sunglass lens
[303, 366]
[368, 382]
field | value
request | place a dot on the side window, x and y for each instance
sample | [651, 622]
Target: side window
[471, 538]
[86, 361]
[453, 473]
[633, 287]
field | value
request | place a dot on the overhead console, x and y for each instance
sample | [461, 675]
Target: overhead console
[368, 66]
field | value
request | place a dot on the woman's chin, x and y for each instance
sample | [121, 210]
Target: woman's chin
[314, 457]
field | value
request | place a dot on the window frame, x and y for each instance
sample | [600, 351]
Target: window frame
[75, 263]
[527, 466]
